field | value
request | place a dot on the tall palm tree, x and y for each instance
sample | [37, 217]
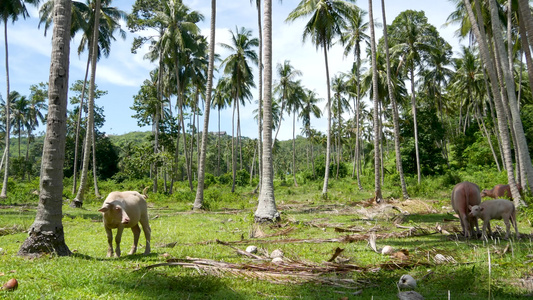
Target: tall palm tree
[310, 108]
[412, 37]
[286, 88]
[395, 116]
[352, 37]
[10, 10]
[294, 105]
[328, 18]
[78, 200]
[339, 106]
[221, 100]
[38, 96]
[266, 206]
[491, 70]
[181, 28]
[46, 234]
[508, 77]
[201, 165]
[260, 92]
[19, 116]
[237, 67]
[83, 17]
[377, 159]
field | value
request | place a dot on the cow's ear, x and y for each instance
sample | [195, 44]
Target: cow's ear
[481, 208]
[470, 207]
[104, 208]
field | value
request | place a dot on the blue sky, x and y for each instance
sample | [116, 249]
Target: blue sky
[123, 72]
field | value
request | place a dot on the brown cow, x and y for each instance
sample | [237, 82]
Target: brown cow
[464, 194]
[499, 191]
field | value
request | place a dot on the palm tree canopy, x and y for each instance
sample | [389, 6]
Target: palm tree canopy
[12, 9]
[328, 18]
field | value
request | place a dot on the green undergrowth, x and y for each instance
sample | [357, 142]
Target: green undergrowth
[309, 231]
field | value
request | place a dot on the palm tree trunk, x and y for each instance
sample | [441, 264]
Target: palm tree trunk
[218, 144]
[46, 234]
[517, 127]
[3, 194]
[266, 207]
[198, 201]
[484, 51]
[233, 158]
[95, 178]
[260, 101]
[78, 123]
[377, 131]
[78, 201]
[328, 143]
[294, 148]
[395, 116]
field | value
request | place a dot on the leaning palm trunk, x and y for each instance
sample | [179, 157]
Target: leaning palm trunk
[517, 127]
[46, 234]
[489, 64]
[233, 158]
[266, 207]
[198, 201]
[78, 201]
[95, 177]
[294, 148]
[395, 116]
[328, 141]
[78, 124]
[8, 118]
[377, 160]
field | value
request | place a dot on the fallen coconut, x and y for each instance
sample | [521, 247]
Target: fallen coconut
[251, 249]
[276, 253]
[11, 285]
[277, 260]
[387, 250]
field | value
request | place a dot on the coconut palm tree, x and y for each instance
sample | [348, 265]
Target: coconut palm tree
[310, 108]
[38, 96]
[10, 10]
[328, 18]
[339, 106]
[294, 105]
[352, 37]
[412, 38]
[19, 115]
[395, 116]
[201, 165]
[377, 159]
[260, 92]
[83, 20]
[237, 68]
[181, 28]
[266, 206]
[78, 200]
[286, 87]
[46, 234]
[491, 70]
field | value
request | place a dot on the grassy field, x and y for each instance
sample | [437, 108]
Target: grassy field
[195, 266]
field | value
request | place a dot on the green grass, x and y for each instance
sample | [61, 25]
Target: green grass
[88, 274]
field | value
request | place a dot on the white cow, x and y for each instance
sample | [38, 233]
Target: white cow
[125, 210]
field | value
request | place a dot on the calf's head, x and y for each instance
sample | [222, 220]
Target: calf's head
[114, 212]
[475, 211]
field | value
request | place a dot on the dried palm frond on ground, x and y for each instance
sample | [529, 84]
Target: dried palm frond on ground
[285, 272]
